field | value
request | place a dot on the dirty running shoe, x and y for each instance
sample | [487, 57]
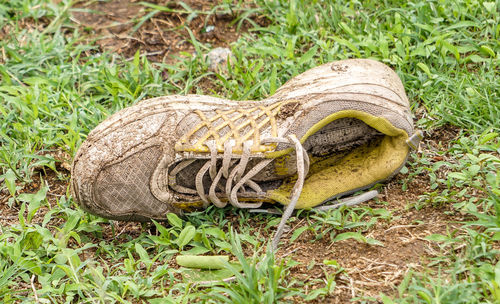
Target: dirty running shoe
[333, 130]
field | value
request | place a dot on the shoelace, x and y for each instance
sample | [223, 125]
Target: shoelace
[237, 177]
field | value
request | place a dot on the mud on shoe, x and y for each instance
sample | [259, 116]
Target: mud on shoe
[331, 131]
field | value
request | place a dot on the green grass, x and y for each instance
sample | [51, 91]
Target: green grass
[52, 93]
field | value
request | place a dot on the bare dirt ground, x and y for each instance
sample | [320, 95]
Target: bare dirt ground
[111, 26]
[369, 269]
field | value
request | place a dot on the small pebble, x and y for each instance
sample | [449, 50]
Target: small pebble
[217, 59]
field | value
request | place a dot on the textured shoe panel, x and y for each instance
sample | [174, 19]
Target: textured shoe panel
[302, 124]
[128, 132]
[122, 188]
[339, 135]
[363, 84]
[108, 145]
[354, 75]
[238, 124]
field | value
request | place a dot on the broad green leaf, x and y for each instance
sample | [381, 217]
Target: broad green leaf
[215, 232]
[163, 231]
[248, 238]
[425, 297]
[202, 261]
[386, 300]
[272, 81]
[347, 29]
[73, 234]
[129, 265]
[424, 68]
[333, 263]
[33, 200]
[372, 241]
[437, 237]
[297, 232]
[475, 58]
[143, 254]
[452, 49]
[350, 235]
[10, 182]
[461, 24]
[457, 175]
[487, 137]
[490, 6]
[137, 58]
[214, 276]
[222, 245]
[186, 235]
[348, 44]
[174, 220]
[315, 293]
[487, 50]
[71, 223]
[69, 272]
[196, 250]
[474, 169]
[75, 260]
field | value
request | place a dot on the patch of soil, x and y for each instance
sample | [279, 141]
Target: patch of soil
[57, 184]
[116, 26]
[372, 269]
[29, 25]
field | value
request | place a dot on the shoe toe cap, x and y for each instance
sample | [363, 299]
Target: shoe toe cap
[121, 189]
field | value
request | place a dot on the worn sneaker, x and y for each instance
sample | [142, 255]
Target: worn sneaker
[328, 132]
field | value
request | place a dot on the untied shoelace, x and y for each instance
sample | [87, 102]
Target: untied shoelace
[237, 177]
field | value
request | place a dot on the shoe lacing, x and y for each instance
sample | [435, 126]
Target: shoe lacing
[237, 177]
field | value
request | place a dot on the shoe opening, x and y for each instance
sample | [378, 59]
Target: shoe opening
[371, 150]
